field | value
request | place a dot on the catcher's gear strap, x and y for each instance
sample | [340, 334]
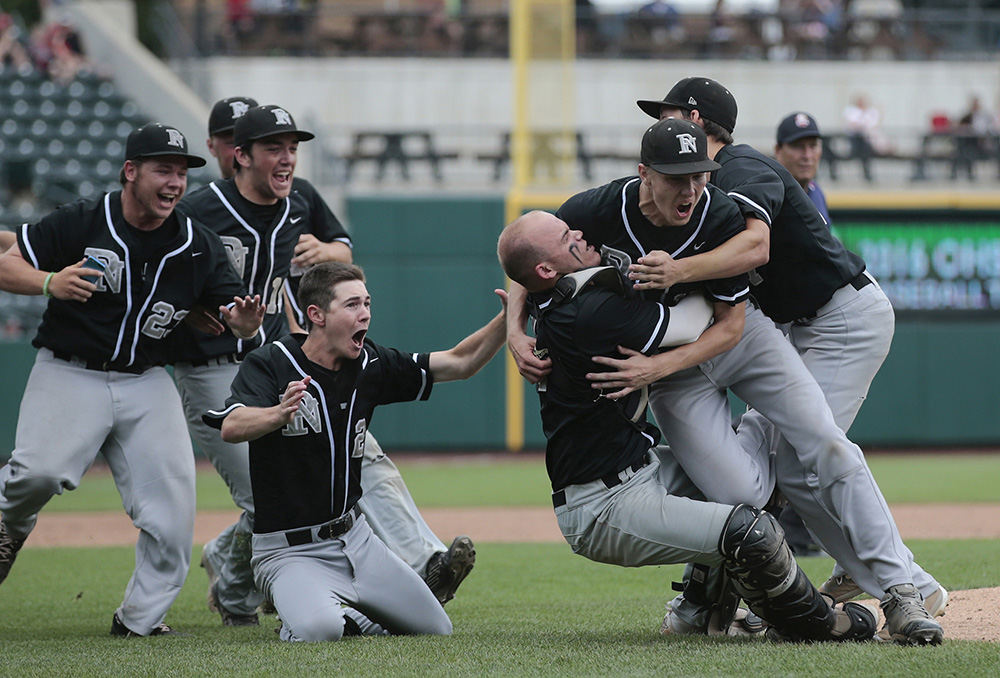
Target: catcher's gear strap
[571, 284]
[765, 573]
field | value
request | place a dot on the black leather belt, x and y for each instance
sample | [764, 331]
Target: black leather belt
[330, 530]
[861, 281]
[610, 480]
[858, 282]
[99, 366]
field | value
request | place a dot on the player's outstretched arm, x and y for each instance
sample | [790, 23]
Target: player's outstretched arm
[250, 423]
[310, 250]
[7, 240]
[637, 370]
[19, 277]
[472, 353]
[522, 346]
[743, 252]
[244, 316]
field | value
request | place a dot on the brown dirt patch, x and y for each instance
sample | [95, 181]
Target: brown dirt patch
[971, 615]
[524, 524]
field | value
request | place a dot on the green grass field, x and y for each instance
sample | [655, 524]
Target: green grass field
[521, 481]
[527, 610]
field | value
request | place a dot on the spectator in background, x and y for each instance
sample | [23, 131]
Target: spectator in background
[799, 147]
[13, 53]
[240, 23]
[665, 19]
[820, 23]
[974, 138]
[443, 30]
[68, 58]
[57, 51]
[864, 127]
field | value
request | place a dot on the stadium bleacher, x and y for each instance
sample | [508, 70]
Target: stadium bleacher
[59, 142]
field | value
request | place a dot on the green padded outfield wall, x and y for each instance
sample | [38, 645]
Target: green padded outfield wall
[432, 268]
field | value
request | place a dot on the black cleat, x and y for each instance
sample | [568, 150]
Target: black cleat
[9, 546]
[446, 569]
[119, 629]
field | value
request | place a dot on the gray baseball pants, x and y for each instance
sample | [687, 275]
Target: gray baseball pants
[310, 583]
[386, 501]
[68, 415]
[649, 519]
[843, 347]
[822, 474]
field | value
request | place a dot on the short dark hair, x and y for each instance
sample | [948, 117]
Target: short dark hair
[714, 129]
[316, 286]
[136, 162]
[246, 148]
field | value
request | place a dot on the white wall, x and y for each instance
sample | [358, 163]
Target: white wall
[351, 93]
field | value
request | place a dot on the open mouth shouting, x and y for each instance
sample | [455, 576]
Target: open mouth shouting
[358, 339]
[282, 181]
[683, 211]
[166, 200]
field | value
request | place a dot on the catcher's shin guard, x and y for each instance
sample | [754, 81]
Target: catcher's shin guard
[764, 571]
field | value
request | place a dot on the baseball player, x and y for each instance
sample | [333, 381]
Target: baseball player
[799, 148]
[304, 404]
[658, 212]
[120, 272]
[612, 503]
[266, 247]
[841, 323]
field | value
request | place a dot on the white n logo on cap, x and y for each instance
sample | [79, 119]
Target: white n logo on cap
[688, 143]
[239, 108]
[281, 116]
[175, 138]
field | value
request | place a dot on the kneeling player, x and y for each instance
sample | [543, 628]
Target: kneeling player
[305, 404]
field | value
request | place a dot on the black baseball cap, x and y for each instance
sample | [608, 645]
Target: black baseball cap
[713, 101]
[675, 146]
[225, 112]
[156, 139]
[266, 121]
[797, 126]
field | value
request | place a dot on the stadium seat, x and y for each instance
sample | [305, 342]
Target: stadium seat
[59, 142]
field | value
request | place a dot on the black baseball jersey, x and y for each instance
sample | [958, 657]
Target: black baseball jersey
[151, 280]
[260, 241]
[610, 218]
[323, 224]
[309, 471]
[589, 436]
[807, 264]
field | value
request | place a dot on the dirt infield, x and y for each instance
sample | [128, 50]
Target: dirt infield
[972, 615]
[525, 524]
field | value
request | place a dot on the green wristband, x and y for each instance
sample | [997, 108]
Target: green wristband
[45, 285]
